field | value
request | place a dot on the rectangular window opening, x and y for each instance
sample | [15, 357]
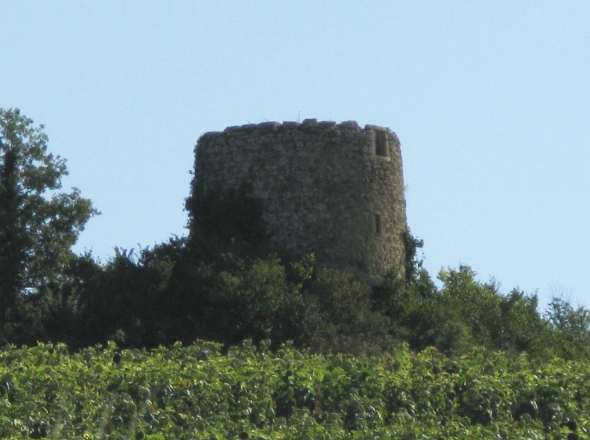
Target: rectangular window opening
[377, 224]
[381, 143]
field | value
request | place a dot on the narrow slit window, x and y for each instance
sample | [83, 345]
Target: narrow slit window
[377, 224]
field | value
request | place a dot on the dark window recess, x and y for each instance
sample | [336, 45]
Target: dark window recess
[381, 143]
[378, 224]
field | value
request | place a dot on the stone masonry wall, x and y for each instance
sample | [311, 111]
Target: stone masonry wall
[333, 189]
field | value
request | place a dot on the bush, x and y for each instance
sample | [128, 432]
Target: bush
[226, 221]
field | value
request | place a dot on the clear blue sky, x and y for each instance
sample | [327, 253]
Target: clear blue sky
[491, 101]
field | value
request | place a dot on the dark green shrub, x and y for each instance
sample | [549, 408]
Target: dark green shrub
[226, 220]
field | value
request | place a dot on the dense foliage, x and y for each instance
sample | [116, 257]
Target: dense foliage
[222, 283]
[199, 393]
[38, 224]
[177, 293]
[326, 355]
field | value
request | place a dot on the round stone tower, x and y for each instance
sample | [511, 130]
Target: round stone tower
[335, 190]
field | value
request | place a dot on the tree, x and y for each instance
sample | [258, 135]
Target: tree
[572, 327]
[38, 224]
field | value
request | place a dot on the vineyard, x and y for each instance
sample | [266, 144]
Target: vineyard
[248, 392]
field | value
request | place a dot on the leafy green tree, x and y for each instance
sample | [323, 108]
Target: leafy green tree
[61, 303]
[519, 326]
[412, 263]
[122, 302]
[38, 224]
[487, 318]
[571, 326]
[461, 314]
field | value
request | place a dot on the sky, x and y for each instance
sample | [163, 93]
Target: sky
[491, 102]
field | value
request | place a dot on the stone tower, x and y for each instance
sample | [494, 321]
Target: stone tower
[335, 190]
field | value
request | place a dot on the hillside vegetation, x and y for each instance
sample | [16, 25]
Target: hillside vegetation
[175, 292]
[222, 283]
[198, 392]
[93, 349]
